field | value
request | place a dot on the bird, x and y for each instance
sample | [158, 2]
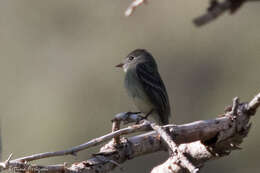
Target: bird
[145, 86]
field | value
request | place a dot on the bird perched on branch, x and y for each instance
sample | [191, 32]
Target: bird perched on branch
[144, 84]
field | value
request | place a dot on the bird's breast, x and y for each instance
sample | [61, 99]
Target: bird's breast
[136, 92]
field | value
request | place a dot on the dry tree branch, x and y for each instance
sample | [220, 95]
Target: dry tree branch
[199, 141]
[214, 10]
[130, 10]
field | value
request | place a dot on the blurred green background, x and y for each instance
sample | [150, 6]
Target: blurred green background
[59, 87]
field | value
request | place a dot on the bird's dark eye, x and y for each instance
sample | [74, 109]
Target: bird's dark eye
[131, 58]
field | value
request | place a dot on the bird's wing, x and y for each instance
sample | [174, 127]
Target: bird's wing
[154, 87]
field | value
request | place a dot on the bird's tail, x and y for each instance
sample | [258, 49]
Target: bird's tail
[164, 119]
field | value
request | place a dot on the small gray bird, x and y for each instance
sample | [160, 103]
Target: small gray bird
[144, 84]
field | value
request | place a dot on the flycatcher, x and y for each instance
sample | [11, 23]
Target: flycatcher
[144, 84]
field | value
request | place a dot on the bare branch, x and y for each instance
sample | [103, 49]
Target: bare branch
[213, 144]
[129, 11]
[218, 138]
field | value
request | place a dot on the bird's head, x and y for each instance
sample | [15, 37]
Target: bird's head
[136, 57]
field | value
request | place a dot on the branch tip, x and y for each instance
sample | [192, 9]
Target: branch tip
[235, 106]
[136, 3]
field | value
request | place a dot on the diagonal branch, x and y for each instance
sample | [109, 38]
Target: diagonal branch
[136, 3]
[178, 156]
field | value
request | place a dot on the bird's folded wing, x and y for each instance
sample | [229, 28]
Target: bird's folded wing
[153, 86]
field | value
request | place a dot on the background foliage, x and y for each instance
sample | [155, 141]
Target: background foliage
[59, 87]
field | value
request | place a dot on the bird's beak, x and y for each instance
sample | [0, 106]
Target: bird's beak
[120, 65]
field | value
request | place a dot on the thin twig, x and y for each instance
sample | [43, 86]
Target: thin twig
[91, 143]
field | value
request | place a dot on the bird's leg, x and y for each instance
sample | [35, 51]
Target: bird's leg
[149, 113]
[146, 116]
